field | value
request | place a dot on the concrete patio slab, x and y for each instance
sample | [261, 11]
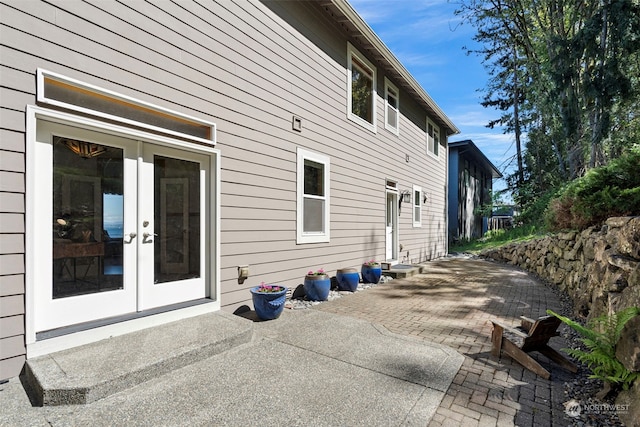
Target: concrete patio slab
[305, 368]
[90, 372]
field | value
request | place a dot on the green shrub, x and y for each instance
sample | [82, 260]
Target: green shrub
[600, 337]
[533, 212]
[604, 192]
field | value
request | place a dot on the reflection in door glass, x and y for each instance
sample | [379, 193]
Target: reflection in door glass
[177, 219]
[87, 249]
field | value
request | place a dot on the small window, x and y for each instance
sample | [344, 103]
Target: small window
[313, 197]
[433, 138]
[361, 82]
[62, 91]
[417, 206]
[392, 107]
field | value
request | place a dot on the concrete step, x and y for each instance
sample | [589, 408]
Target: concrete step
[400, 271]
[85, 374]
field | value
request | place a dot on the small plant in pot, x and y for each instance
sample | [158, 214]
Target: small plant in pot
[268, 300]
[371, 271]
[317, 285]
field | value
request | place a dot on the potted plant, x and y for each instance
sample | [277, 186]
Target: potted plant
[348, 279]
[268, 300]
[317, 285]
[371, 271]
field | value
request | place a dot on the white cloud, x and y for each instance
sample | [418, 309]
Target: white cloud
[472, 116]
[429, 22]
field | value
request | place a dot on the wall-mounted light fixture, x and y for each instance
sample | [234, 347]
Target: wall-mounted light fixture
[424, 198]
[406, 194]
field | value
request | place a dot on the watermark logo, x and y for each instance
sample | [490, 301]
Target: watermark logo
[572, 408]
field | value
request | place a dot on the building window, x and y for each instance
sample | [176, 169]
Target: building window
[417, 206]
[61, 91]
[433, 138]
[392, 107]
[361, 80]
[313, 197]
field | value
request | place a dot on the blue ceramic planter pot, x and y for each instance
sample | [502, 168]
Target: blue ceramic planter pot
[268, 305]
[348, 279]
[371, 273]
[317, 287]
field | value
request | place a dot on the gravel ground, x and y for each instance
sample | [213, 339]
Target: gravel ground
[296, 302]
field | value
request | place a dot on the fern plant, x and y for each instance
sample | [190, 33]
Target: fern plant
[600, 336]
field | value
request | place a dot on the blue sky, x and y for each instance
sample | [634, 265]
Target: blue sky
[428, 39]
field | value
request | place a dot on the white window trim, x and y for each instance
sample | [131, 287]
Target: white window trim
[387, 84]
[416, 204]
[351, 53]
[301, 236]
[436, 128]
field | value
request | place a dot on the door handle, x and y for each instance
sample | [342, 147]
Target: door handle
[131, 237]
[146, 235]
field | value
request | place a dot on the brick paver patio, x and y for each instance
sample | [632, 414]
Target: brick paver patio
[452, 304]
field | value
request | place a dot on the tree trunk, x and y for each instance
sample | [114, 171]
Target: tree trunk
[516, 117]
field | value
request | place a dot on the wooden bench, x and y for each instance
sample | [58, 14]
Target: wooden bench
[532, 335]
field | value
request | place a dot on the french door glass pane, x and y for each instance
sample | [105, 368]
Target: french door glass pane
[177, 219]
[87, 218]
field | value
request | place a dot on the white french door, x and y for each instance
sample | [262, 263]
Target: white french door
[121, 225]
[172, 226]
[391, 226]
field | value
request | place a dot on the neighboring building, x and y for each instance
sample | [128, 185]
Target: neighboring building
[471, 177]
[150, 150]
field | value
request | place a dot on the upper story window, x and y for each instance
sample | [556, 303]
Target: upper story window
[417, 206]
[392, 107]
[313, 197]
[361, 80]
[433, 138]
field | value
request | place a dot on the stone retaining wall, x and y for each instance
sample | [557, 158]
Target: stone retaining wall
[598, 267]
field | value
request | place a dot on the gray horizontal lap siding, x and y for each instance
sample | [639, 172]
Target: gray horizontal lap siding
[249, 70]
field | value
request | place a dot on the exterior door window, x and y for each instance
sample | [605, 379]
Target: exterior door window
[177, 211]
[87, 218]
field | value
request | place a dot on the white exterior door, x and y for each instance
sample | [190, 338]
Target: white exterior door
[122, 225]
[391, 241]
[172, 226]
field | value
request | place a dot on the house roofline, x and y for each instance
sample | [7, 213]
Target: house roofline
[478, 154]
[343, 13]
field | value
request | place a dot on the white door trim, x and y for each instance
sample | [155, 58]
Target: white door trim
[394, 228]
[35, 113]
